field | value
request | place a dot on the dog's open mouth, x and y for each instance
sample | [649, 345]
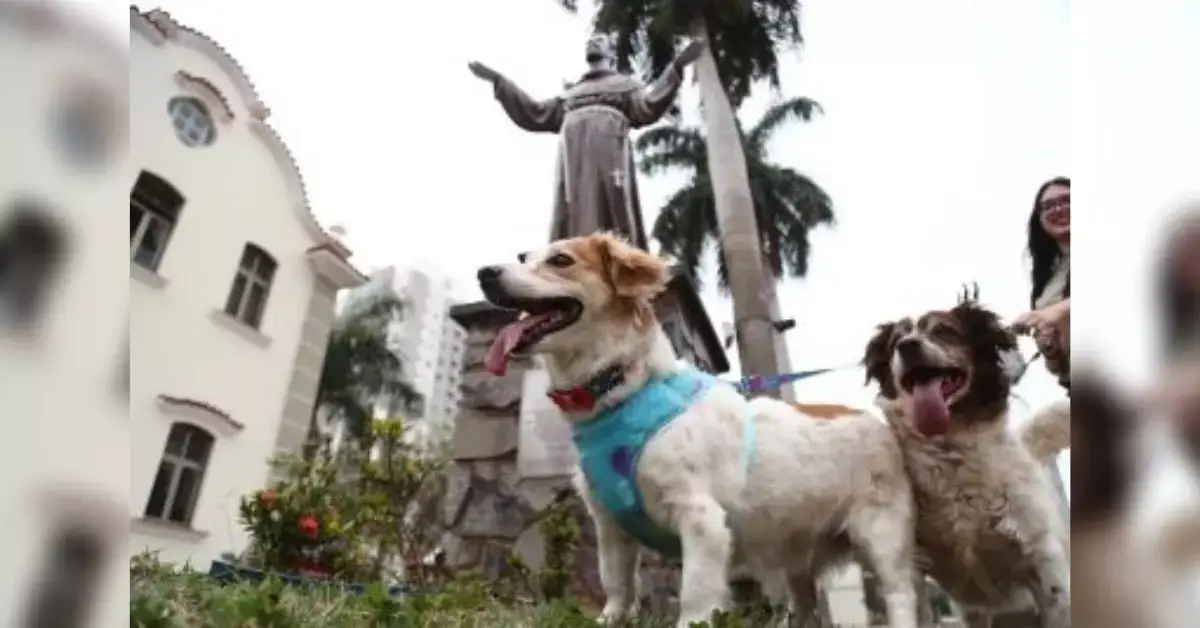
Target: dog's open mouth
[540, 318]
[931, 388]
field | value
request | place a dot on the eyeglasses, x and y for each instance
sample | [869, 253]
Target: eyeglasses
[1055, 203]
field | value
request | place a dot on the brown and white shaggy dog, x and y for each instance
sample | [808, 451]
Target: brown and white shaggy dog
[988, 526]
[806, 491]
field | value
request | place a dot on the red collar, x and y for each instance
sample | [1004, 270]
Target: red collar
[583, 398]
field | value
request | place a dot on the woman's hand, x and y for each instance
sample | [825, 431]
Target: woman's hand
[1045, 322]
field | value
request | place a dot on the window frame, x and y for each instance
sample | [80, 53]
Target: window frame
[179, 462]
[155, 206]
[253, 273]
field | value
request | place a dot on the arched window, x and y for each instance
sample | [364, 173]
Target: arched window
[180, 473]
[154, 207]
[251, 285]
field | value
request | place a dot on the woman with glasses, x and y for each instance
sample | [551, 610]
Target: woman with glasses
[1049, 246]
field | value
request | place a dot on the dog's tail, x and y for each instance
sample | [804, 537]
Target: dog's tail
[1048, 431]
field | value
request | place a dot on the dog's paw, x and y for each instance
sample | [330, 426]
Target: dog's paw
[1056, 612]
[1057, 618]
[614, 614]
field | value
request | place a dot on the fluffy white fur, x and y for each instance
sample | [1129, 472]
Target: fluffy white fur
[988, 527]
[1048, 431]
[817, 488]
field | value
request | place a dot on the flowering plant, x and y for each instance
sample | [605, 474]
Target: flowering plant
[297, 524]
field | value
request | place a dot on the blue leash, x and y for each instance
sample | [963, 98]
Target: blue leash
[758, 383]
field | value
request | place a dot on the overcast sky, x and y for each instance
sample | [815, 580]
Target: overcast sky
[942, 118]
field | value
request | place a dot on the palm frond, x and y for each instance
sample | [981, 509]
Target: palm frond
[376, 312]
[811, 203]
[746, 36]
[794, 249]
[800, 108]
[685, 224]
[668, 147]
[359, 365]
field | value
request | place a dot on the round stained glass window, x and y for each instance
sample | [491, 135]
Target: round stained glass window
[193, 124]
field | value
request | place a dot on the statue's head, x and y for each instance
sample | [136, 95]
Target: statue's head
[600, 50]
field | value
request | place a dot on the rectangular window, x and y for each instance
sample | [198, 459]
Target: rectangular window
[154, 207]
[180, 472]
[247, 300]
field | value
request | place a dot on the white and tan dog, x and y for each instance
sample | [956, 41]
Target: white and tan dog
[988, 525]
[810, 492]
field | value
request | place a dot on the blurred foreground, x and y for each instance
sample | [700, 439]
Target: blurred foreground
[1135, 509]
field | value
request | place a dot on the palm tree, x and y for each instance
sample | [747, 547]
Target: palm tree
[743, 39]
[360, 368]
[787, 204]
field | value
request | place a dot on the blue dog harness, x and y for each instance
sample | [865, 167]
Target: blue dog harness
[610, 447]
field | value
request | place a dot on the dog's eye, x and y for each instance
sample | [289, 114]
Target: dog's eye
[559, 260]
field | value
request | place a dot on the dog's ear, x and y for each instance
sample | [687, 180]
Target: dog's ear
[877, 359]
[989, 340]
[633, 273]
[984, 328]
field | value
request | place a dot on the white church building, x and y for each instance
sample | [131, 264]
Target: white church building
[231, 298]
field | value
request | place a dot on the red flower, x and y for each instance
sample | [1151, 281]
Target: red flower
[267, 498]
[308, 526]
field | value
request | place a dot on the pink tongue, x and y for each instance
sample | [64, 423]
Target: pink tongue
[930, 413]
[506, 340]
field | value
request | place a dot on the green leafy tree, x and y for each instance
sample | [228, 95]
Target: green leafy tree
[787, 204]
[400, 491]
[744, 40]
[359, 367]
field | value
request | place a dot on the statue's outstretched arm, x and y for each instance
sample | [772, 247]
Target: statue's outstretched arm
[538, 116]
[649, 105]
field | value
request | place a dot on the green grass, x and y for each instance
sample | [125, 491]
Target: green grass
[164, 598]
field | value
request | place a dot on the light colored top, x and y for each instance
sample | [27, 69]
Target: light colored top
[1056, 288]
[1058, 361]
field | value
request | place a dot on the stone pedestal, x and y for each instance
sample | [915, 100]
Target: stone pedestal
[689, 328]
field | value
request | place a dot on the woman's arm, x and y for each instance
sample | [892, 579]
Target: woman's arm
[1060, 313]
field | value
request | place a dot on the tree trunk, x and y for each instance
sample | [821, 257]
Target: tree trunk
[735, 219]
[783, 357]
[752, 292]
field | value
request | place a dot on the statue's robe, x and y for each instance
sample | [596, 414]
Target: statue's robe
[595, 185]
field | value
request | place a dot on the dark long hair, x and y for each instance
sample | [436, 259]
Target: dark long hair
[1042, 248]
[1178, 303]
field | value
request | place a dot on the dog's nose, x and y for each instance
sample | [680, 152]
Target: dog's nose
[488, 273]
[909, 348]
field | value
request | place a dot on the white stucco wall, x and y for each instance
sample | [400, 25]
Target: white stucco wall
[64, 458]
[236, 192]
